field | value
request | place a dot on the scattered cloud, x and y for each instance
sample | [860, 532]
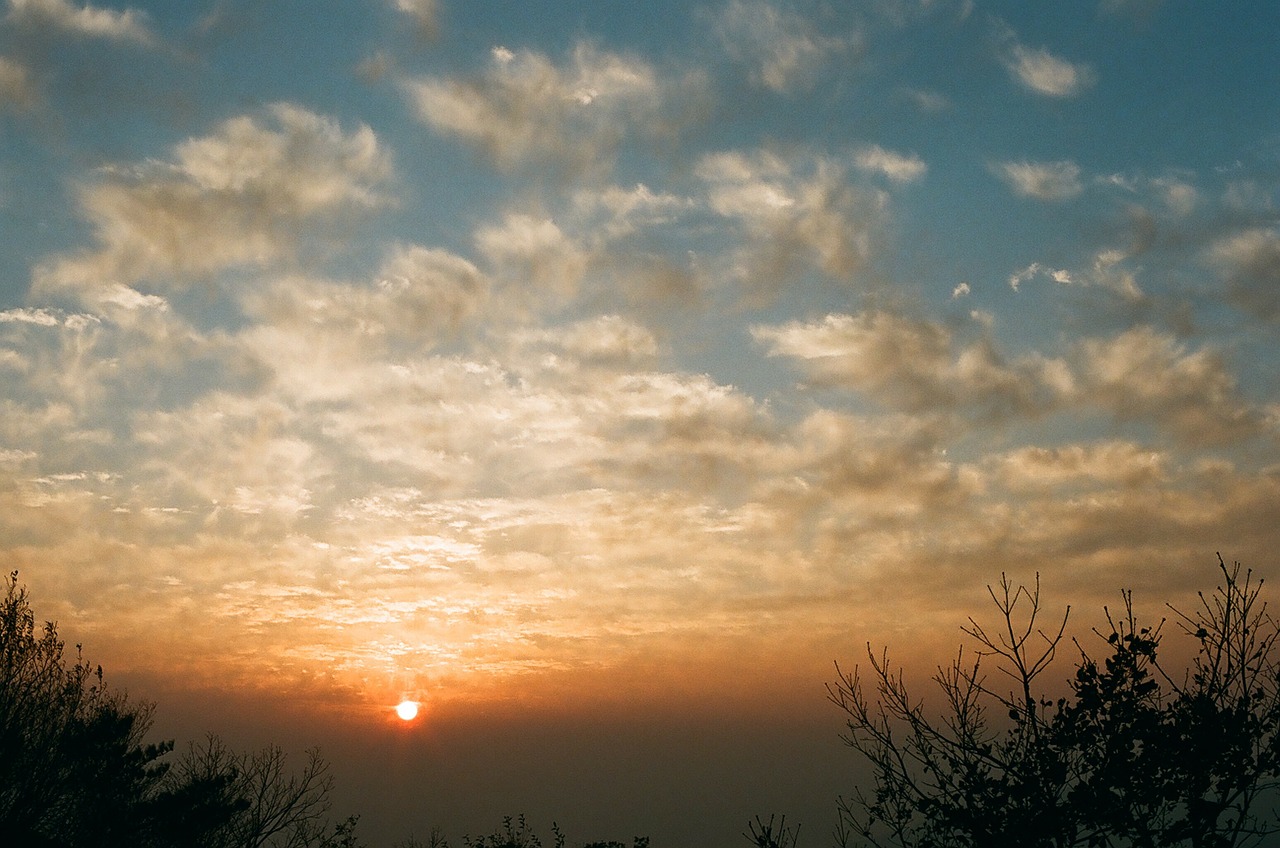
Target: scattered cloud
[17, 88]
[425, 15]
[1102, 463]
[1143, 374]
[1035, 269]
[236, 197]
[1250, 263]
[627, 389]
[898, 167]
[524, 108]
[783, 50]
[533, 253]
[629, 209]
[914, 365]
[609, 340]
[420, 295]
[793, 213]
[129, 26]
[918, 366]
[926, 100]
[1041, 72]
[1051, 181]
[1109, 269]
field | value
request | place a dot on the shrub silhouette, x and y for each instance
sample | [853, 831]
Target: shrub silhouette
[1135, 754]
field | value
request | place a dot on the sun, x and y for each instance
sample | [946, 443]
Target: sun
[407, 710]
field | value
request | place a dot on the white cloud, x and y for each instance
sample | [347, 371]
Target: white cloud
[793, 212]
[1035, 269]
[1043, 73]
[40, 317]
[525, 108]
[609, 340]
[782, 49]
[629, 209]
[236, 197]
[1041, 180]
[533, 253]
[914, 364]
[899, 167]
[1109, 269]
[1100, 463]
[961, 290]
[420, 297]
[1142, 374]
[87, 21]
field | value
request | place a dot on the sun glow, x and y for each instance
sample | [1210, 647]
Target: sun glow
[407, 710]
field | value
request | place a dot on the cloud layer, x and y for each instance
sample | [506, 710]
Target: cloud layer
[522, 359]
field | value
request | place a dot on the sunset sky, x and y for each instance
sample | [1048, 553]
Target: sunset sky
[568, 365]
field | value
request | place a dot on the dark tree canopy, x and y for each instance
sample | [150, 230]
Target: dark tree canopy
[75, 770]
[1135, 754]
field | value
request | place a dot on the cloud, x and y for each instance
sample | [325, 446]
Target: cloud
[609, 340]
[794, 213]
[1142, 374]
[424, 14]
[533, 255]
[263, 469]
[886, 468]
[236, 197]
[782, 49]
[1041, 72]
[1110, 271]
[1107, 270]
[1250, 262]
[1109, 462]
[629, 209]
[1041, 180]
[524, 108]
[926, 100]
[898, 167]
[419, 297]
[17, 90]
[961, 290]
[129, 26]
[915, 365]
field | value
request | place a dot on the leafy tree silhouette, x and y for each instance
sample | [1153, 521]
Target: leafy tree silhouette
[73, 767]
[75, 771]
[1135, 754]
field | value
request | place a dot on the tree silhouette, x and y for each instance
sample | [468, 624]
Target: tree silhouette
[75, 771]
[1135, 754]
[73, 767]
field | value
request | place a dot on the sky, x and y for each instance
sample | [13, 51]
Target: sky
[596, 374]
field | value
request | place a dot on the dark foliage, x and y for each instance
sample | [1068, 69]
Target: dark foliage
[771, 834]
[75, 771]
[1134, 755]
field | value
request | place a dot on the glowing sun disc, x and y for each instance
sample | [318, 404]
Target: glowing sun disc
[407, 710]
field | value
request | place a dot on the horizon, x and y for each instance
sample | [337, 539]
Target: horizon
[619, 367]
